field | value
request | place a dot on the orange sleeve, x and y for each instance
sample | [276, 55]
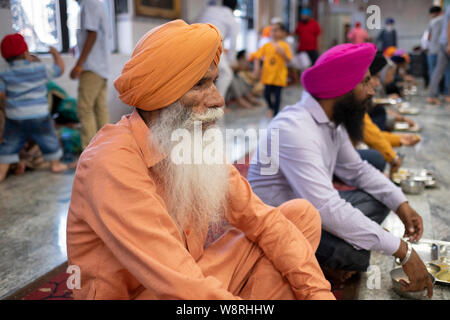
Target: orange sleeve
[282, 243]
[394, 139]
[131, 219]
[258, 54]
[375, 139]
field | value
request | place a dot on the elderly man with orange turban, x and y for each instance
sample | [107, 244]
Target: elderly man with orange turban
[141, 226]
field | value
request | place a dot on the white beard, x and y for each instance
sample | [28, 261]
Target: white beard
[195, 194]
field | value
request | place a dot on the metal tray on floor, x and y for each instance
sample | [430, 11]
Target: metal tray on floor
[426, 176]
[384, 101]
[411, 111]
[405, 127]
[436, 256]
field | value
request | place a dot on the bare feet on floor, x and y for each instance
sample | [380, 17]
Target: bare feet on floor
[337, 277]
[20, 169]
[253, 100]
[58, 167]
[244, 103]
[433, 101]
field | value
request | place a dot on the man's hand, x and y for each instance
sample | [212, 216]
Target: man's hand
[409, 140]
[409, 121]
[52, 50]
[76, 72]
[412, 221]
[416, 271]
[395, 165]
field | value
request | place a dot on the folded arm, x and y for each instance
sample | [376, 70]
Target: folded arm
[280, 240]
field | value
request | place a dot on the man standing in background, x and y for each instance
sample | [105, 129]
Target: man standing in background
[308, 31]
[358, 35]
[388, 37]
[92, 68]
[434, 32]
[442, 66]
[222, 17]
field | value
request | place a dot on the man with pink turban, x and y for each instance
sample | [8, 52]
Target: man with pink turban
[315, 145]
[143, 225]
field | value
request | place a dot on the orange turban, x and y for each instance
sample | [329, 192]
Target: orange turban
[389, 52]
[167, 62]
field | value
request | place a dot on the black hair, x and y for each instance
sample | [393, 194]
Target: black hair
[240, 54]
[435, 9]
[378, 63]
[232, 4]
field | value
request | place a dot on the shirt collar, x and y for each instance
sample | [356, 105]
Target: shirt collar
[142, 134]
[314, 108]
[20, 62]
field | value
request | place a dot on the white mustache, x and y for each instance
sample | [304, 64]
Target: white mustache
[210, 115]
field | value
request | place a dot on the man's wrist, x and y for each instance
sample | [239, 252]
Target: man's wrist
[78, 68]
[402, 251]
[395, 160]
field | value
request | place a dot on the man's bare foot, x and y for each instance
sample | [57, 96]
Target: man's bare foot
[58, 167]
[20, 169]
[433, 101]
[244, 103]
[337, 277]
[447, 99]
[73, 165]
[253, 100]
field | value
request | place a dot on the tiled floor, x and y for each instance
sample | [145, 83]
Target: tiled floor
[33, 207]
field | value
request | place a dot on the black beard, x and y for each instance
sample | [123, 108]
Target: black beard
[350, 113]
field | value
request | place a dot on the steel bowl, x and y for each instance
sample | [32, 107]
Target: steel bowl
[398, 274]
[410, 186]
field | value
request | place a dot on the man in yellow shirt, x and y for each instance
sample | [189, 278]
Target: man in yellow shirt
[384, 141]
[276, 55]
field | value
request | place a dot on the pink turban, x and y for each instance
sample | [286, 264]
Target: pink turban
[339, 70]
[167, 62]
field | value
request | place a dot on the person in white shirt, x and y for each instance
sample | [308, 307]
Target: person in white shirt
[222, 17]
[92, 68]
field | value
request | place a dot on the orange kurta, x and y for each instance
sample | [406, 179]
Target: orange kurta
[380, 140]
[128, 247]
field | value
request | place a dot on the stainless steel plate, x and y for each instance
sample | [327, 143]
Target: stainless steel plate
[436, 256]
[426, 176]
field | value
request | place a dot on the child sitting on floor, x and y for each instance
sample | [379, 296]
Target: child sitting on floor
[24, 95]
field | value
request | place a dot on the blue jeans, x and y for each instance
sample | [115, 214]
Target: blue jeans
[432, 60]
[18, 132]
[374, 157]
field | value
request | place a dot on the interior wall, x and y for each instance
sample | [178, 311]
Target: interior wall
[409, 33]
[5, 27]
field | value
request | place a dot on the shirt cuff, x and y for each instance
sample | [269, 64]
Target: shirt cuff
[389, 243]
